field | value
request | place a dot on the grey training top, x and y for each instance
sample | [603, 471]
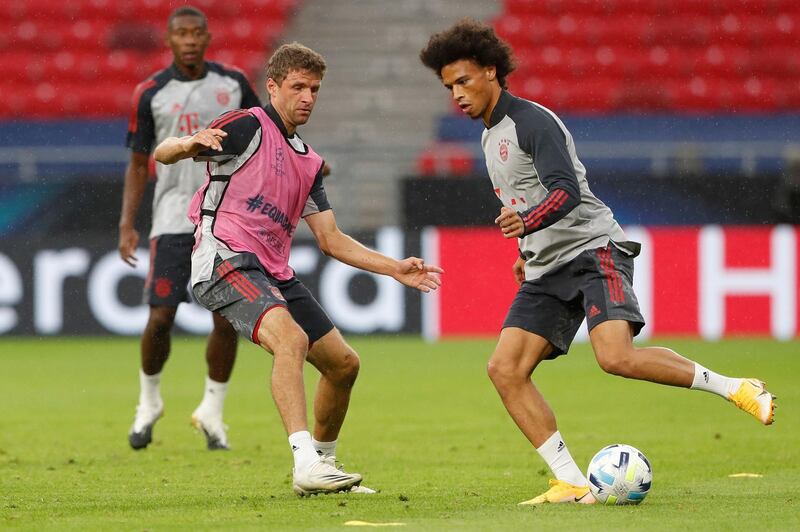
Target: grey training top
[168, 104]
[534, 168]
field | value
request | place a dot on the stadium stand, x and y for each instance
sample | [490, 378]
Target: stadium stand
[82, 58]
[70, 68]
[706, 58]
[645, 86]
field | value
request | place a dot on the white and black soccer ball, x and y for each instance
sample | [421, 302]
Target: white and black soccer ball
[619, 474]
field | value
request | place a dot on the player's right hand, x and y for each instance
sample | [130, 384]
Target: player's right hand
[414, 273]
[510, 223]
[204, 139]
[519, 270]
[128, 242]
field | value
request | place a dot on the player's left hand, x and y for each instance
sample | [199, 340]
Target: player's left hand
[510, 223]
[413, 272]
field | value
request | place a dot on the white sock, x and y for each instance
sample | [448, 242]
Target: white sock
[324, 448]
[150, 390]
[303, 450]
[554, 451]
[213, 397]
[707, 380]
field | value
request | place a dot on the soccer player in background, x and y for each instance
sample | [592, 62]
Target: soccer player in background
[575, 261]
[262, 179]
[178, 100]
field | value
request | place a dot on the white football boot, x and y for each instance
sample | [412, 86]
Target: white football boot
[212, 428]
[141, 433]
[321, 477]
[331, 460]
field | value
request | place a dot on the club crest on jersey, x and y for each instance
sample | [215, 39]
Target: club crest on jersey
[504, 149]
[223, 97]
[276, 293]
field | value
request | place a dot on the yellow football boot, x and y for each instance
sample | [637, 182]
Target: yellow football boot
[753, 397]
[561, 491]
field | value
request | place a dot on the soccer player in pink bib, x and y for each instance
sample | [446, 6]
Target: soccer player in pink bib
[261, 179]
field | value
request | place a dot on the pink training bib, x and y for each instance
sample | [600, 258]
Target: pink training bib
[259, 208]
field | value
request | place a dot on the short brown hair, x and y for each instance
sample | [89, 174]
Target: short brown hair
[294, 56]
[469, 39]
[186, 11]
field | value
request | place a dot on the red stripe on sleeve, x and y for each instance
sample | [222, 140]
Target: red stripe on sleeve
[559, 197]
[545, 208]
[541, 208]
[133, 119]
[227, 118]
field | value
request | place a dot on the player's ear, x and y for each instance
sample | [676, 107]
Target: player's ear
[272, 87]
[491, 73]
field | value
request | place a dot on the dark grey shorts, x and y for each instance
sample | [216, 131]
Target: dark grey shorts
[597, 285]
[243, 293]
[170, 268]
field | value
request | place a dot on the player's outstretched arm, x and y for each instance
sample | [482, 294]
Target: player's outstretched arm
[174, 149]
[412, 271]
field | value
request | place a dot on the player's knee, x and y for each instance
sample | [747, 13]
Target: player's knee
[501, 372]
[616, 361]
[160, 320]
[347, 370]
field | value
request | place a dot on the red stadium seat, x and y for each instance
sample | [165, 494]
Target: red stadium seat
[16, 100]
[693, 55]
[83, 57]
[446, 158]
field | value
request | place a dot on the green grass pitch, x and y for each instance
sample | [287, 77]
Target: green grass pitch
[426, 428]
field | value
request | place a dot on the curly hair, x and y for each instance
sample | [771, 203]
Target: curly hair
[294, 56]
[469, 39]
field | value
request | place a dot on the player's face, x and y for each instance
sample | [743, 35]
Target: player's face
[188, 38]
[470, 84]
[294, 99]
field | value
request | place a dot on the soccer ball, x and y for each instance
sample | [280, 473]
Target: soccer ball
[619, 474]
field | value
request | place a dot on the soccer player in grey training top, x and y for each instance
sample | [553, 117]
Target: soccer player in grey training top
[575, 261]
[179, 100]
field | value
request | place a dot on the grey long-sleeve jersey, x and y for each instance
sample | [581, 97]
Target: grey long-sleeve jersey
[168, 104]
[534, 168]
